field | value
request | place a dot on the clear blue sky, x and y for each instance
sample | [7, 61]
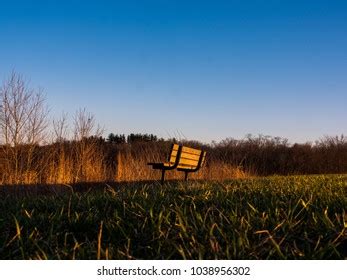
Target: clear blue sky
[203, 69]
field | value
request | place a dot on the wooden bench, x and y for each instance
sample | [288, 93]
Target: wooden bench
[183, 159]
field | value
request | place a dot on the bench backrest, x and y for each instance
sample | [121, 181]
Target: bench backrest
[173, 153]
[191, 158]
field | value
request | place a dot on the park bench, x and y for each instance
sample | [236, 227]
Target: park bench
[181, 158]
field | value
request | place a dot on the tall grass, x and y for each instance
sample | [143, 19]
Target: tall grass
[132, 165]
[93, 160]
[266, 218]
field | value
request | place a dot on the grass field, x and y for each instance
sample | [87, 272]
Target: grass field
[295, 217]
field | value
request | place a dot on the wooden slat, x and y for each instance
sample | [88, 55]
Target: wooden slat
[172, 159]
[175, 147]
[188, 167]
[190, 156]
[193, 163]
[173, 154]
[191, 150]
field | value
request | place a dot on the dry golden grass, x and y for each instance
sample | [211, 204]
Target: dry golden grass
[130, 168]
[64, 167]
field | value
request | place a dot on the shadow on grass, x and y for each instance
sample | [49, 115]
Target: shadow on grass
[81, 187]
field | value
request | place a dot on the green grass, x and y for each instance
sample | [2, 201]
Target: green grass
[296, 217]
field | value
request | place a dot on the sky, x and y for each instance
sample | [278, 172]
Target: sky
[198, 70]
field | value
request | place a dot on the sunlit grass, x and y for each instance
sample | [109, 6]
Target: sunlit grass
[301, 217]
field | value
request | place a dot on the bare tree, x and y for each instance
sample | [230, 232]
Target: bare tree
[23, 122]
[84, 125]
[60, 128]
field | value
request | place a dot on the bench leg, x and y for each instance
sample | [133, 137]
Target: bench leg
[185, 176]
[162, 176]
